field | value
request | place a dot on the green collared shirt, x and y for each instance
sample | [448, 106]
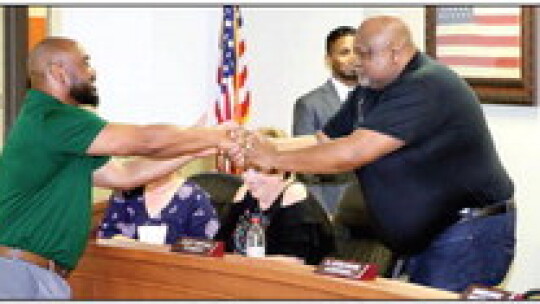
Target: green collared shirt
[46, 179]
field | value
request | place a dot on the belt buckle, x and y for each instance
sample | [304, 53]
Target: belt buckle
[467, 214]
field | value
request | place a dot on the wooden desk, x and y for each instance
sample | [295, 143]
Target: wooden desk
[151, 272]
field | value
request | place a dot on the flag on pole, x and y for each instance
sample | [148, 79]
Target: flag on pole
[233, 101]
[481, 42]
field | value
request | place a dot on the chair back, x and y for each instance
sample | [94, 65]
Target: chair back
[220, 186]
[355, 237]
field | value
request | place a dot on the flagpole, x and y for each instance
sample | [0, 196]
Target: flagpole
[236, 101]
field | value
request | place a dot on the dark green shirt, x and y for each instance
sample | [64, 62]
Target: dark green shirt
[46, 179]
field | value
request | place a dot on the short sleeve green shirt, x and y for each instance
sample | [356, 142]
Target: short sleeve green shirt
[46, 179]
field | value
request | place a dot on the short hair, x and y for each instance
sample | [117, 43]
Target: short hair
[337, 33]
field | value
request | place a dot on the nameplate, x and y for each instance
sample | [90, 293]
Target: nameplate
[347, 269]
[200, 247]
[478, 292]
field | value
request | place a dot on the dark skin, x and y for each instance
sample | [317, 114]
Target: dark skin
[383, 47]
[58, 65]
[341, 60]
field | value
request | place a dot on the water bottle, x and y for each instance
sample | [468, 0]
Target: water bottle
[255, 239]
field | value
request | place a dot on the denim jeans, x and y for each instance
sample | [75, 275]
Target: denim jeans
[24, 281]
[474, 251]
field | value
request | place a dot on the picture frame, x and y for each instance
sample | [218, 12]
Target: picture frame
[495, 55]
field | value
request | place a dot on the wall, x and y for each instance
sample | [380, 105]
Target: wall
[515, 131]
[157, 65]
[289, 54]
[152, 63]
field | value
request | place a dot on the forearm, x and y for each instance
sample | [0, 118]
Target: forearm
[168, 141]
[163, 141]
[293, 143]
[338, 155]
[331, 157]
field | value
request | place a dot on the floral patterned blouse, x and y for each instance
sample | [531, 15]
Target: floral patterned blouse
[189, 213]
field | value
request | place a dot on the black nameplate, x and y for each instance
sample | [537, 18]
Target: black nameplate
[478, 292]
[347, 269]
[201, 247]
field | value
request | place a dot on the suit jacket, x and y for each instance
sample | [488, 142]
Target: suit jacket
[311, 112]
[314, 109]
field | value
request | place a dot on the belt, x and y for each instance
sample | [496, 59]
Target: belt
[14, 253]
[494, 209]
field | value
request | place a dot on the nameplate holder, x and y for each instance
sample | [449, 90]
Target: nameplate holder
[479, 292]
[200, 247]
[348, 269]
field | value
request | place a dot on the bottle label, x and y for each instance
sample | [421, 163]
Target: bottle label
[255, 252]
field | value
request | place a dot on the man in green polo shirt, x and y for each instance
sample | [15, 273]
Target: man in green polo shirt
[55, 152]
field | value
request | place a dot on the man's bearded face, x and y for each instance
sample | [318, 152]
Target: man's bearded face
[85, 93]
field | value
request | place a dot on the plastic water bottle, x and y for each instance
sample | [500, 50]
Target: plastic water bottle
[255, 239]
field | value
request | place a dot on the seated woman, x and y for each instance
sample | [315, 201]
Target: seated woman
[181, 205]
[295, 223]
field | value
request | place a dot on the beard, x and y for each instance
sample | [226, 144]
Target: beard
[347, 75]
[84, 94]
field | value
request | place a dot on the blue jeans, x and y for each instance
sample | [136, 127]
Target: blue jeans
[475, 251]
[24, 281]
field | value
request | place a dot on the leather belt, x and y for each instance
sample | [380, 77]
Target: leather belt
[14, 253]
[494, 209]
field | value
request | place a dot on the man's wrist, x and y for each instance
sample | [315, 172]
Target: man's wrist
[223, 135]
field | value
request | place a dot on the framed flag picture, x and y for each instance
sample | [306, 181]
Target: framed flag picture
[493, 48]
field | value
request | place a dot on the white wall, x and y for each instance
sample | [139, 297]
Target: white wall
[153, 64]
[516, 130]
[287, 47]
[159, 65]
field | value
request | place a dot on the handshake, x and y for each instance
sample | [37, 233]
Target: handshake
[248, 149]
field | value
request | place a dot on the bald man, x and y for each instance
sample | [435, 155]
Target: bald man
[55, 152]
[420, 146]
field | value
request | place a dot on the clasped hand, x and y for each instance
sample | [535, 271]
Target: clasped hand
[249, 149]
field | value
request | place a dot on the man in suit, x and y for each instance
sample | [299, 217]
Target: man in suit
[314, 109]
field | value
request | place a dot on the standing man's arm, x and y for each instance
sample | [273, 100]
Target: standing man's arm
[163, 141]
[124, 175]
[343, 154]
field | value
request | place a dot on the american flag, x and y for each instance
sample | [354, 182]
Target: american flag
[480, 42]
[233, 101]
